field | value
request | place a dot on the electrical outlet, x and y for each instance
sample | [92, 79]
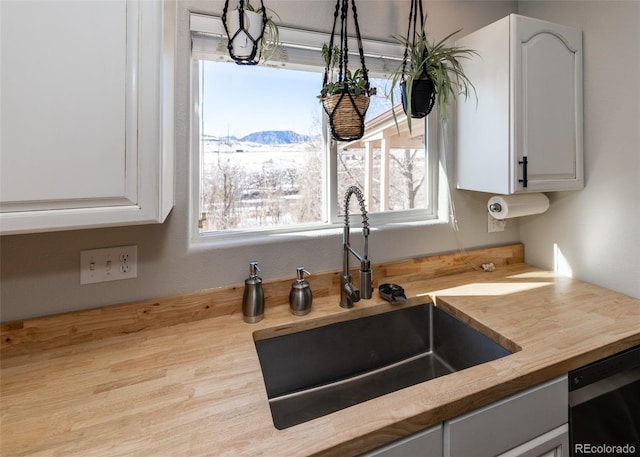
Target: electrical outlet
[108, 264]
[495, 225]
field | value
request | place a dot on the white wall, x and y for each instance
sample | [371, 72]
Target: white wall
[598, 229]
[40, 272]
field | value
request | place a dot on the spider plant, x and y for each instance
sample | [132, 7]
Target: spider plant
[354, 82]
[435, 61]
[271, 37]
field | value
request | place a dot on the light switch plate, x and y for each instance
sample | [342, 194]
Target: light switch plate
[108, 264]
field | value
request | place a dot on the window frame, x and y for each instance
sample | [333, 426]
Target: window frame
[212, 26]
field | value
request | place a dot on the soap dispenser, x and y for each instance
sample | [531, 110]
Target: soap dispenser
[253, 298]
[300, 296]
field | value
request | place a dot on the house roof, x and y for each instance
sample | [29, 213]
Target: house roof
[384, 127]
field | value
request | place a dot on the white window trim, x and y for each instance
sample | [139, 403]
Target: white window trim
[379, 221]
[382, 56]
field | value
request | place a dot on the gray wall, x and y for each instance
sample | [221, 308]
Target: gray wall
[40, 272]
[597, 230]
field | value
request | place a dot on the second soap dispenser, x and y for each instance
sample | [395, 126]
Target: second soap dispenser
[300, 297]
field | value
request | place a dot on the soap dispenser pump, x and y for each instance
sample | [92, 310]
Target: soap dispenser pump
[253, 298]
[300, 297]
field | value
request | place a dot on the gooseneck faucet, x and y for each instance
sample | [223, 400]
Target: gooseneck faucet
[349, 294]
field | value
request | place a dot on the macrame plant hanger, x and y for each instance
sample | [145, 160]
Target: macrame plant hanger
[345, 110]
[413, 34]
[242, 32]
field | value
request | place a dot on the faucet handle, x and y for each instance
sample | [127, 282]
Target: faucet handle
[352, 292]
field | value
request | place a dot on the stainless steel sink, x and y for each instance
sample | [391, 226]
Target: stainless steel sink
[318, 371]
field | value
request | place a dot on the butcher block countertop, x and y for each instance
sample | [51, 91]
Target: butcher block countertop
[195, 388]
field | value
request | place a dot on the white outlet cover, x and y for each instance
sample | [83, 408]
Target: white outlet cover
[108, 264]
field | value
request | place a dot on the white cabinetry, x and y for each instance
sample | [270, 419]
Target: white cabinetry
[524, 134]
[427, 443]
[532, 423]
[87, 114]
[554, 443]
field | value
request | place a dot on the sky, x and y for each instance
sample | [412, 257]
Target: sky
[242, 99]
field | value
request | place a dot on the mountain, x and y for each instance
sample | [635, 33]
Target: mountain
[275, 137]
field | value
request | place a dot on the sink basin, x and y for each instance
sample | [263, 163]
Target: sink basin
[315, 372]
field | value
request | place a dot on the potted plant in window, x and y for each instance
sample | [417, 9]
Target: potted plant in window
[345, 93]
[251, 31]
[430, 73]
[345, 97]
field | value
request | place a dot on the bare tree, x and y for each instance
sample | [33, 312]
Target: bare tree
[272, 183]
[224, 183]
[308, 184]
[406, 168]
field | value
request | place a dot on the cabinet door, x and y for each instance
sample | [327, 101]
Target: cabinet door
[484, 141]
[528, 77]
[86, 127]
[510, 422]
[547, 89]
[64, 107]
[427, 443]
[552, 444]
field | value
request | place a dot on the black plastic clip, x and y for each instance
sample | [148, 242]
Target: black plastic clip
[392, 293]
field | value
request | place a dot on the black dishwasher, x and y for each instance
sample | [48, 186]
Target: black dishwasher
[604, 406]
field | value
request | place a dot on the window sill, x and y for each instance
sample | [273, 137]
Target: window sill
[229, 240]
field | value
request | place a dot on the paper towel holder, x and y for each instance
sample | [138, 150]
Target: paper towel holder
[510, 206]
[495, 207]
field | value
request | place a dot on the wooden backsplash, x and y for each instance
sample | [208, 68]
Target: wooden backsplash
[63, 329]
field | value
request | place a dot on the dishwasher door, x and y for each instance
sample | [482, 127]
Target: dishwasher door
[604, 406]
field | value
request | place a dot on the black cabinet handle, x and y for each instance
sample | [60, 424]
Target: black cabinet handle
[525, 180]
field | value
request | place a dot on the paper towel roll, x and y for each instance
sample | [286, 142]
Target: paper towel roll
[508, 206]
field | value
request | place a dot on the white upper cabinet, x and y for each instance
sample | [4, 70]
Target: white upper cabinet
[87, 114]
[524, 134]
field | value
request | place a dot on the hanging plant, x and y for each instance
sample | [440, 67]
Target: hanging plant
[430, 72]
[252, 33]
[345, 93]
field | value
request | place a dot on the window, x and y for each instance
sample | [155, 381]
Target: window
[263, 158]
[260, 147]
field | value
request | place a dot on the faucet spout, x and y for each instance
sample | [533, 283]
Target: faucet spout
[349, 294]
